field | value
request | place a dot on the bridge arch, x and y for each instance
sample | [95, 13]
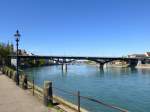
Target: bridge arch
[130, 62]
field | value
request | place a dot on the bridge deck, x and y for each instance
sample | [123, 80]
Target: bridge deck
[77, 57]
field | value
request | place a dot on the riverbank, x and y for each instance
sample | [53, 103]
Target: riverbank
[143, 66]
[122, 65]
[111, 65]
[117, 65]
[32, 66]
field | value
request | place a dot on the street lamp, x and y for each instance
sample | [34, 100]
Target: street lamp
[17, 36]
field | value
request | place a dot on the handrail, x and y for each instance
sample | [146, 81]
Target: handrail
[105, 104]
[94, 100]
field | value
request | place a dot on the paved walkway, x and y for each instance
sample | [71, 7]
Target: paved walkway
[15, 99]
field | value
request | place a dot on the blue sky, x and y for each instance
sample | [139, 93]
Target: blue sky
[77, 27]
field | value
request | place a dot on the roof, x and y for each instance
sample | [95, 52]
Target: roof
[137, 55]
[148, 53]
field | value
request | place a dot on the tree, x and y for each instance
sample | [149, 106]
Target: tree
[42, 62]
[5, 51]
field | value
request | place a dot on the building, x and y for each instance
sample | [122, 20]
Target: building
[136, 56]
[147, 54]
[22, 52]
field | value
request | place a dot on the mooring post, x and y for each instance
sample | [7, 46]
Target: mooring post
[48, 93]
[78, 94]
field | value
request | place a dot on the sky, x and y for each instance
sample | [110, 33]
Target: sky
[77, 27]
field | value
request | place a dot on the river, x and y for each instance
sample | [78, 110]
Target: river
[123, 87]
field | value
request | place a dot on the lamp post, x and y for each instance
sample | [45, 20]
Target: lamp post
[17, 36]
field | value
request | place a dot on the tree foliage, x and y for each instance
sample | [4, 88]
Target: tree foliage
[5, 51]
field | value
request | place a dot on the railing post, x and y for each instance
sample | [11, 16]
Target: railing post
[48, 93]
[14, 76]
[7, 72]
[78, 94]
[11, 74]
[25, 82]
[33, 86]
[3, 71]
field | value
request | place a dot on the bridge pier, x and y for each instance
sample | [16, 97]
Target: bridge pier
[139, 62]
[101, 66]
[64, 67]
[133, 63]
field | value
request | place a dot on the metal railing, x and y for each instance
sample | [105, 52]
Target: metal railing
[77, 94]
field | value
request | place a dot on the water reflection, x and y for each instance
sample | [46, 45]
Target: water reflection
[101, 71]
[134, 70]
[144, 71]
[64, 73]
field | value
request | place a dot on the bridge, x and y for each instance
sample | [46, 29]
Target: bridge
[64, 60]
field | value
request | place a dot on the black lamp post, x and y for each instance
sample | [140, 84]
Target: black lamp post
[17, 36]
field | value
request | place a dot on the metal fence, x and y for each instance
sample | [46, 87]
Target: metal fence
[79, 97]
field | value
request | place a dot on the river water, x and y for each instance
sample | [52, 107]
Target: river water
[123, 87]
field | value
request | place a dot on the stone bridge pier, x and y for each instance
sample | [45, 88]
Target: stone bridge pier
[64, 63]
[64, 67]
[61, 62]
[101, 66]
[101, 63]
[133, 63]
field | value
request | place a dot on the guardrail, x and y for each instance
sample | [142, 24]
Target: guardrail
[77, 94]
